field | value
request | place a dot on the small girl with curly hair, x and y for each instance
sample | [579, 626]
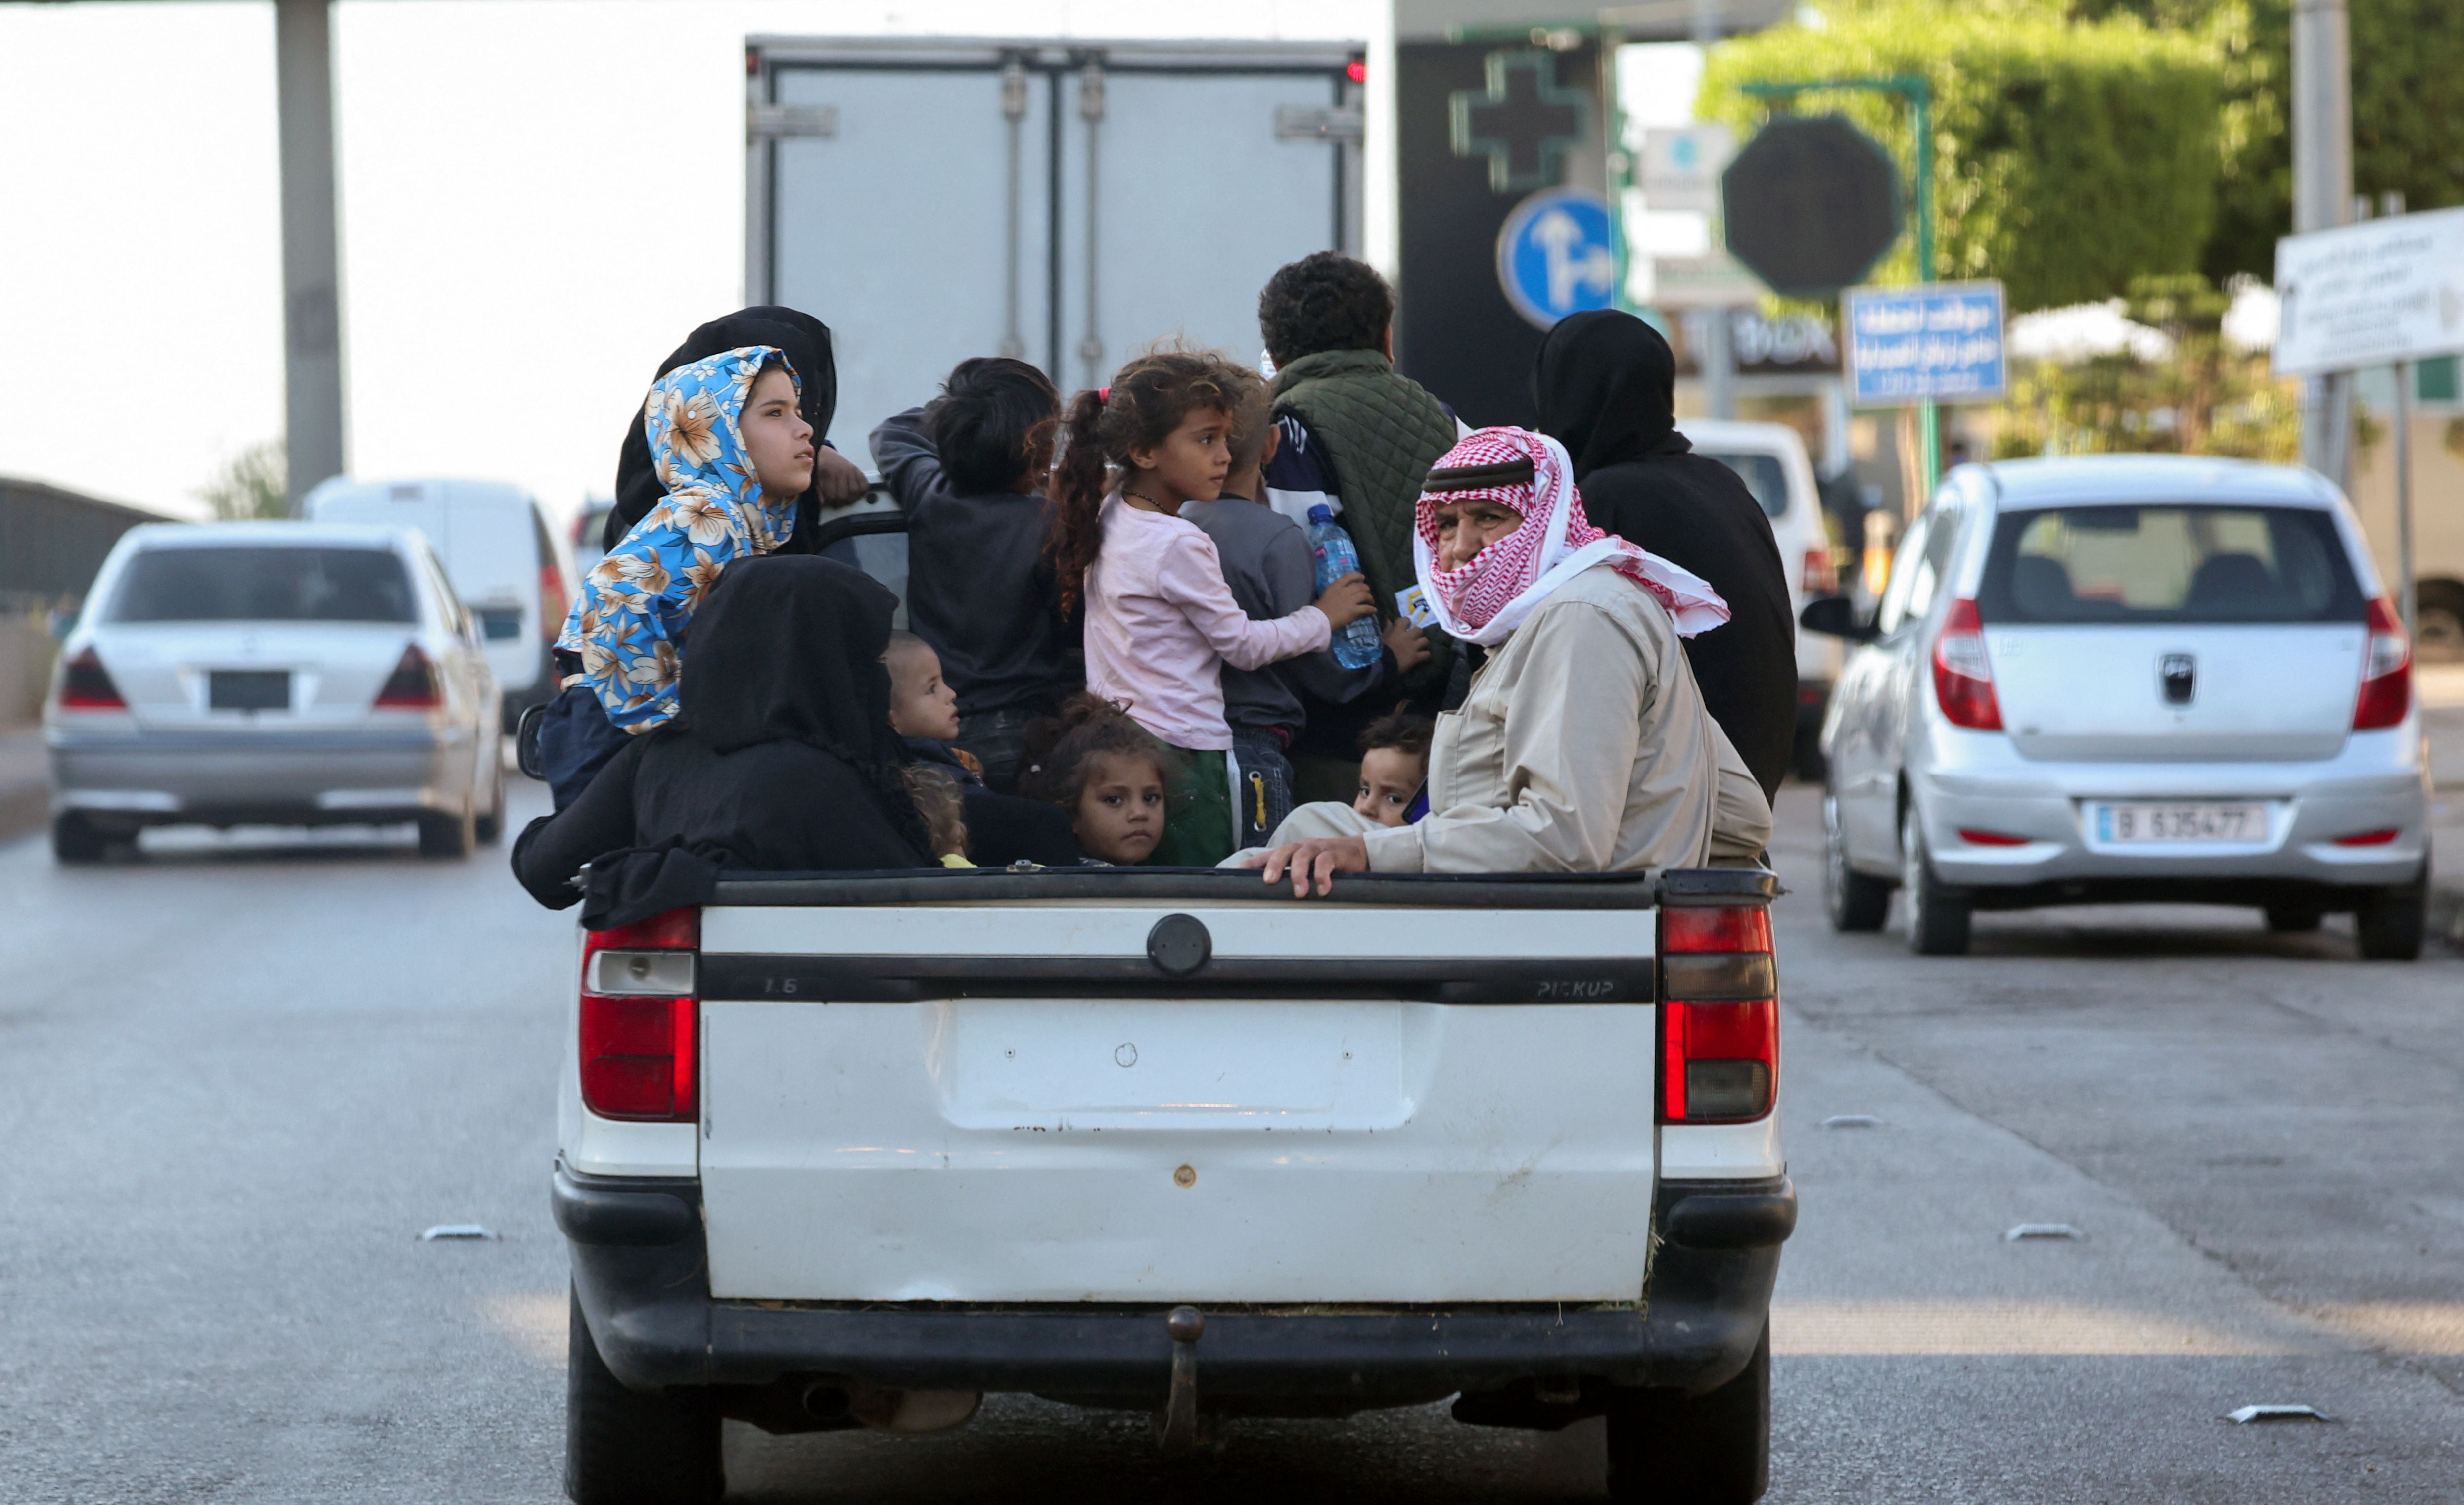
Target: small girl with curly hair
[1112, 776]
[1160, 621]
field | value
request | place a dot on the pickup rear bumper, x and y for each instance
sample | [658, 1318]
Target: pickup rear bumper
[640, 1271]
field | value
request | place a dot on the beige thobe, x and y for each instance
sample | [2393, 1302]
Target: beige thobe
[1582, 748]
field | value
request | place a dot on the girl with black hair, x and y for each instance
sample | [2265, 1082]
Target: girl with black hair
[1159, 621]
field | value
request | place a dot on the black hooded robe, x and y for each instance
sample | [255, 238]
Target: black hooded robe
[783, 760]
[807, 342]
[1606, 383]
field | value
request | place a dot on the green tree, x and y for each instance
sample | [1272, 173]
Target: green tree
[253, 484]
[2204, 397]
[2406, 57]
[2069, 156]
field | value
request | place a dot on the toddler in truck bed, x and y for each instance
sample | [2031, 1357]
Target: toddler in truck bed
[924, 709]
[968, 470]
[1112, 776]
[1395, 768]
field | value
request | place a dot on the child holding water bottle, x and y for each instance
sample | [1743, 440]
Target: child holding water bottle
[1266, 560]
[1160, 620]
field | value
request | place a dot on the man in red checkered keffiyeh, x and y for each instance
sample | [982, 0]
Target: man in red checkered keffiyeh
[1486, 599]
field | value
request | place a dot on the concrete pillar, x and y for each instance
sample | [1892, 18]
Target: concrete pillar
[312, 309]
[2323, 197]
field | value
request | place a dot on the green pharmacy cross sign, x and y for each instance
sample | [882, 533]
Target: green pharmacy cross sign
[1523, 121]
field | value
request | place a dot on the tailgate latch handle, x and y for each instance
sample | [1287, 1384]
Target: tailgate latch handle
[1179, 946]
[1177, 1428]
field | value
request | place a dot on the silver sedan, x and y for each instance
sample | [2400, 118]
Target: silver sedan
[2110, 679]
[272, 673]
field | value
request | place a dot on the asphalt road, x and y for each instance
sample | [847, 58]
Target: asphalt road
[238, 1076]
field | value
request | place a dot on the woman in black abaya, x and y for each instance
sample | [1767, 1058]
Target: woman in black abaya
[1606, 383]
[783, 760]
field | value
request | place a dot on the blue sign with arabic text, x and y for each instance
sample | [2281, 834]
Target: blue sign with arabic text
[1941, 341]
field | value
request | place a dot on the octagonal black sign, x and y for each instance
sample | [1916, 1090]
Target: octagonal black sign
[1812, 203]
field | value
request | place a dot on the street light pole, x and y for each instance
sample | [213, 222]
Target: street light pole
[2323, 197]
[312, 314]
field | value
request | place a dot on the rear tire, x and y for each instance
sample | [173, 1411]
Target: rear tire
[630, 1447]
[2293, 919]
[448, 836]
[1938, 917]
[1855, 902]
[1700, 1450]
[76, 839]
[2390, 923]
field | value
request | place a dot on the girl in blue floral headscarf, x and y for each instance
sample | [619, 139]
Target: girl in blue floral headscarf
[733, 452]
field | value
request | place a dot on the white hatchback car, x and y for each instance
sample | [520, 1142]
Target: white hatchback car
[2114, 679]
[275, 674]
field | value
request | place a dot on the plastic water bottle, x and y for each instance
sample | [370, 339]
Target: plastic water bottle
[1355, 646]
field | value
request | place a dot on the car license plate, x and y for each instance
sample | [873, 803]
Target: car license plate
[249, 690]
[2181, 821]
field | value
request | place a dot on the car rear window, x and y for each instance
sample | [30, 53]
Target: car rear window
[270, 584]
[1764, 476]
[2193, 563]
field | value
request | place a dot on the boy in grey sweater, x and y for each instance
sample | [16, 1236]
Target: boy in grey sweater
[1268, 567]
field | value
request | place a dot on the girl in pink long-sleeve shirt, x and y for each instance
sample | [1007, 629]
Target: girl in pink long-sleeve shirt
[1160, 621]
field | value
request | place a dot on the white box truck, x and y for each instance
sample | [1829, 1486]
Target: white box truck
[1065, 202]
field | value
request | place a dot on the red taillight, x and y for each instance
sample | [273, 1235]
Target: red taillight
[85, 684]
[1356, 69]
[1719, 1014]
[1691, 931]
[2369, 838]
[640, 1043]
[1963, 677]
[1975, 838]
[412, 684]
[2387, 672]
[552, 602]
[1821, 577]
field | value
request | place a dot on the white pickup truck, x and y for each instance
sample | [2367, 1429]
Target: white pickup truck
[854, 1151]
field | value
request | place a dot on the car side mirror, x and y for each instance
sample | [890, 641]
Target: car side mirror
[1835, 617]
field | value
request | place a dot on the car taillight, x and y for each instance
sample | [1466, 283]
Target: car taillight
[1719, 1014]
[640, 1044]
[412, 684]
[85, 684]
[1963, 677]
[552, 602]
[2387, 672]
[1821, 577]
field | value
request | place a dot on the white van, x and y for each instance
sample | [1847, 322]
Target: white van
[1771, 459]
[498, 552]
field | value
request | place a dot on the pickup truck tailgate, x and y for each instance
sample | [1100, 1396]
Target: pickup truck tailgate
[1200, 1101]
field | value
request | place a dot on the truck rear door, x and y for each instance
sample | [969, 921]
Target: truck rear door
[1138, 1100]
[935, 199]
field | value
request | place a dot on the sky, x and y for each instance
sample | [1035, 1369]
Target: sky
[540, 199]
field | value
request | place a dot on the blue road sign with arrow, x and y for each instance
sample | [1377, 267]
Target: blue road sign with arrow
[1555, 255]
